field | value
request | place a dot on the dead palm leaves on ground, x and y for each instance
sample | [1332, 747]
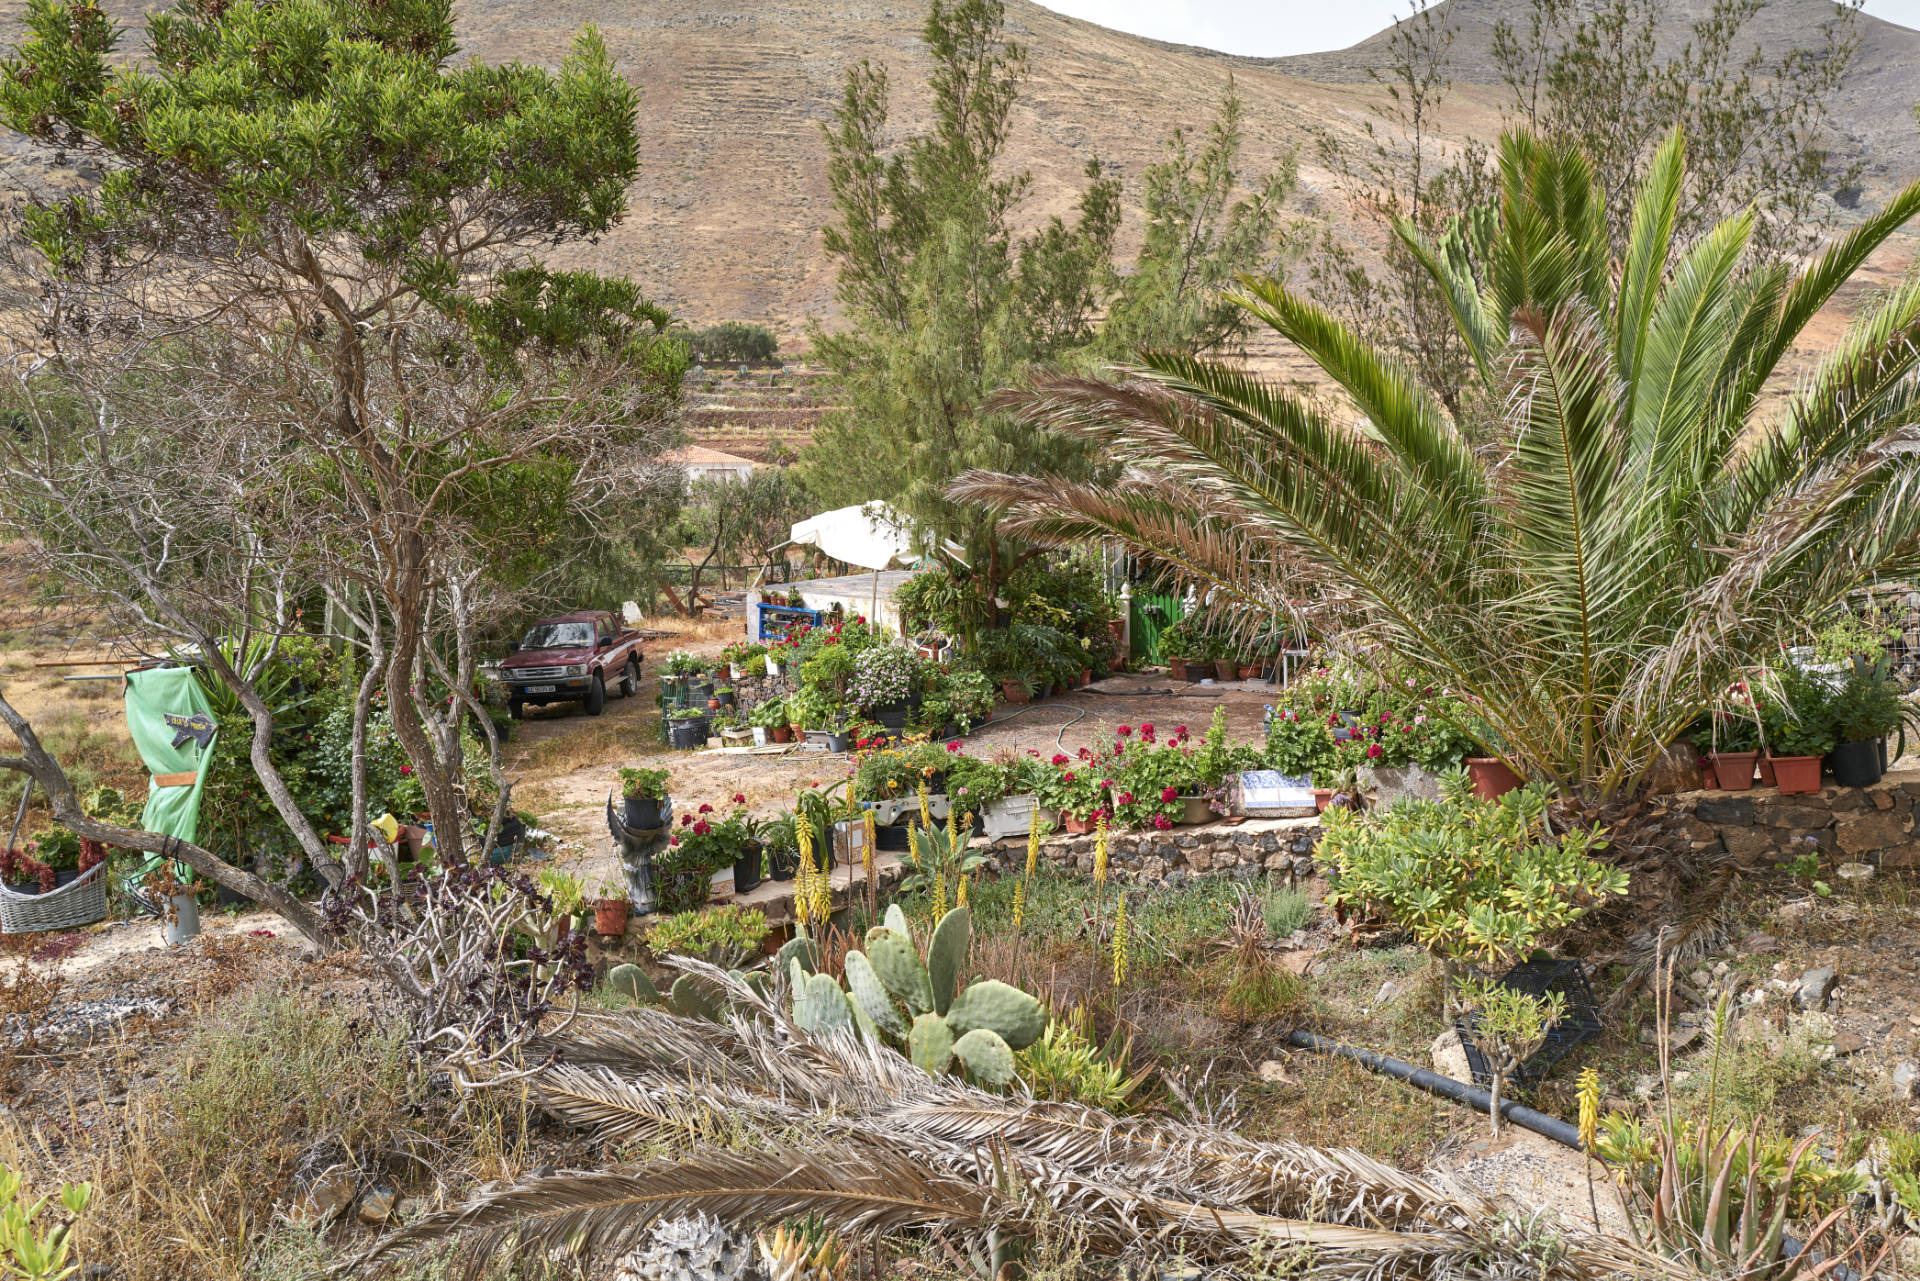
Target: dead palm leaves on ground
[768, 1123]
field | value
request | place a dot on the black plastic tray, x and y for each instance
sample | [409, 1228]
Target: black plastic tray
[1581, 1022]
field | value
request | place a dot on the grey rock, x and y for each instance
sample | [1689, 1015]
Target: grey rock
[327, 1196]
[1450, 1057]
[378, 1204]
[1388, 993]
[1906, 1079]
[1816, 985]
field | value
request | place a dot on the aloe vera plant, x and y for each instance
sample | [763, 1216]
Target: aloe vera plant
[895, 994]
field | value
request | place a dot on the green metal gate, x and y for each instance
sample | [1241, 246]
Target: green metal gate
[1152, 614]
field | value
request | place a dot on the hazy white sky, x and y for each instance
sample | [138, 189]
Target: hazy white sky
[1270, 28]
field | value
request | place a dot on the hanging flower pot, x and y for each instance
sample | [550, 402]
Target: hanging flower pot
[1734, 769]
[1491, 777]
[1796, 774]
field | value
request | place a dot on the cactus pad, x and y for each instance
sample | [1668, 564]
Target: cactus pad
[930, 1044]
[899, 968]
[986, 1057]
[818, 1003]
[798, 947]
[630, 980]
[690, 999]
[946, 954]
[1017, 1018]
[870, 996]
[897, 920]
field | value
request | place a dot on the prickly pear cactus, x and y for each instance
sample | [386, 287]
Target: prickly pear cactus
[990, 1005]
[870, 995]
[699, 1248]
[630, 980]
[800, 948]
[896, 920]
[930, 1044]
[818, 1003]
[690, 999]
[986, 1057]
[947, 954]
[900, 969]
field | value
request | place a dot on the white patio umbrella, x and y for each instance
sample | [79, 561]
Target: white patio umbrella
[873, 536]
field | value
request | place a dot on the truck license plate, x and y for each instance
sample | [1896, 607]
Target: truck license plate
[541, 689]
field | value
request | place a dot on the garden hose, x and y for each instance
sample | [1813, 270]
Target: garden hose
[1480, 1100]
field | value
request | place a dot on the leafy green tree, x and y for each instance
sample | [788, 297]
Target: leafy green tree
[337, 219]
[732, 341]
[1643, 521]
[1202, 231]
[735, 520]
[945, 302]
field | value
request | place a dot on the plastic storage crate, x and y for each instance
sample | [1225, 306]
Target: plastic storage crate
[1581, 1022]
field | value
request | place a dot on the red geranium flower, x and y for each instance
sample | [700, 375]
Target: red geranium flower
[674, 839]
[406, 769]
[954, 745]
[1146, 729]
[702, 828]
[1373, 751]
[1126, 731]
[1068, 776]
[1125, 798]
[1106, 782]
[1059, 759]
[706, 809]
[1161, 822]
[739, 798]
[685, 819]
[1169, 793]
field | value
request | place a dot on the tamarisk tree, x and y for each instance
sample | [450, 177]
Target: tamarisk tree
[294, 342]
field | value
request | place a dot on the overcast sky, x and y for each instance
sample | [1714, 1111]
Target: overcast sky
[1271, 28]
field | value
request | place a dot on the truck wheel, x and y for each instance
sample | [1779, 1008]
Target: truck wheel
[630, 679]
[516, 708]
[596, 699]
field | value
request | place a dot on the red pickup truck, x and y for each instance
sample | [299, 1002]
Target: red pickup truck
[575, 658]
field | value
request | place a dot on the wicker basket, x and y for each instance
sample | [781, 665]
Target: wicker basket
[81, 901]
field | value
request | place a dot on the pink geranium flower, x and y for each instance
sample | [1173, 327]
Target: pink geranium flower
[1161, 822]
[1169, 793]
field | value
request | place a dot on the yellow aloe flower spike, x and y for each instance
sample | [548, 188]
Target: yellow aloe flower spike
[1587, 1084]
[803, 878]
[1019, 903]
[1121, 938]
[1033, 842]
[1100, 853]
[940, 892]
[961, 901]
[926, 809]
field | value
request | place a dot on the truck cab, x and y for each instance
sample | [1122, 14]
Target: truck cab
[572, 658]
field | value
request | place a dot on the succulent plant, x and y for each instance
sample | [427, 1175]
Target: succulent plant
[892, 993]
[632, 981]
[698, 1248]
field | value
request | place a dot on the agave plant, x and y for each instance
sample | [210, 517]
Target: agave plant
[1633, 510]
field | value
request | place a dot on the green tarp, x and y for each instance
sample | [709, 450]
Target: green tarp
[173, 727]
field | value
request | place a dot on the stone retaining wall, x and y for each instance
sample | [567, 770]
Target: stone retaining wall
[1847, 824]
[1279, 847]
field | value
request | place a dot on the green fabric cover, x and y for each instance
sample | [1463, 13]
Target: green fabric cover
[173, 727]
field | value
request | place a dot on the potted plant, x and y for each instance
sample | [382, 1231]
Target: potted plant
[1491, 777]
[643, 790]
[1180, 646]
[610, 910]
[733, 730]
[59, 849]
[781, 848]
[882, 683]
[769, 721]
[1225, 665]
[688, 728]
[1074, 790]
[1863, 712]
[724, 694]
[725, 936]
[1797, 752]
[1735, 735]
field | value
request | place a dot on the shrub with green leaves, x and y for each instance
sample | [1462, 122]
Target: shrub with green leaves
[644, 783]
[724, 936]
[1477, 883]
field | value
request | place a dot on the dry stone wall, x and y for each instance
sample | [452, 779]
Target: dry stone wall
[1282, 848]
[1872, 825]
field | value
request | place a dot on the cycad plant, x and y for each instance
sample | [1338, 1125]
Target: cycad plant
[1638, 506]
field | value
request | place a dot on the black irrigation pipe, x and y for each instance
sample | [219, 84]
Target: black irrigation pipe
[1482, 1101]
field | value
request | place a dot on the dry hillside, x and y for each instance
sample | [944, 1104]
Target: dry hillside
[725, 217]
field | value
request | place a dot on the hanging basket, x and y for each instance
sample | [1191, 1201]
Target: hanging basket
[81, 901]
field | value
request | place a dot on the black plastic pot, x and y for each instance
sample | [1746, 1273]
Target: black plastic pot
[726, 699]
[891, 838]
[894, 718]
[836, 742]
[643, 812]
[746, 870]
[65, 876]
[1860, 763]
[24, 887]
[782, 864]
[699, 691]
[688, 734]
[234, 898]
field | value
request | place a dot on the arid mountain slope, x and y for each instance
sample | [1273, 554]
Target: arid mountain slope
[725, 218]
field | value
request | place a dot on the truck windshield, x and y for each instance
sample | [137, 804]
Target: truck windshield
[558, 636]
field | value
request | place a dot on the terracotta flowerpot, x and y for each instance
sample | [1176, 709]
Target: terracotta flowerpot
[1321, 795]
[610, 916]
[1734, 769]
[1075, 826]
[1249, 670]
[1491, 777]
[1225, 669]
[1766, 769]
[1196, 811]
[1013, 692]
[1709, 781]
[1177, 668]
[1796, 774]
[1086, 676]
[780, 733]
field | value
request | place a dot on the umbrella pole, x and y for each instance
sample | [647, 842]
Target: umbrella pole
[873, 610]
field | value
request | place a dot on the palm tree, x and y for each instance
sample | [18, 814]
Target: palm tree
[1639, 513]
